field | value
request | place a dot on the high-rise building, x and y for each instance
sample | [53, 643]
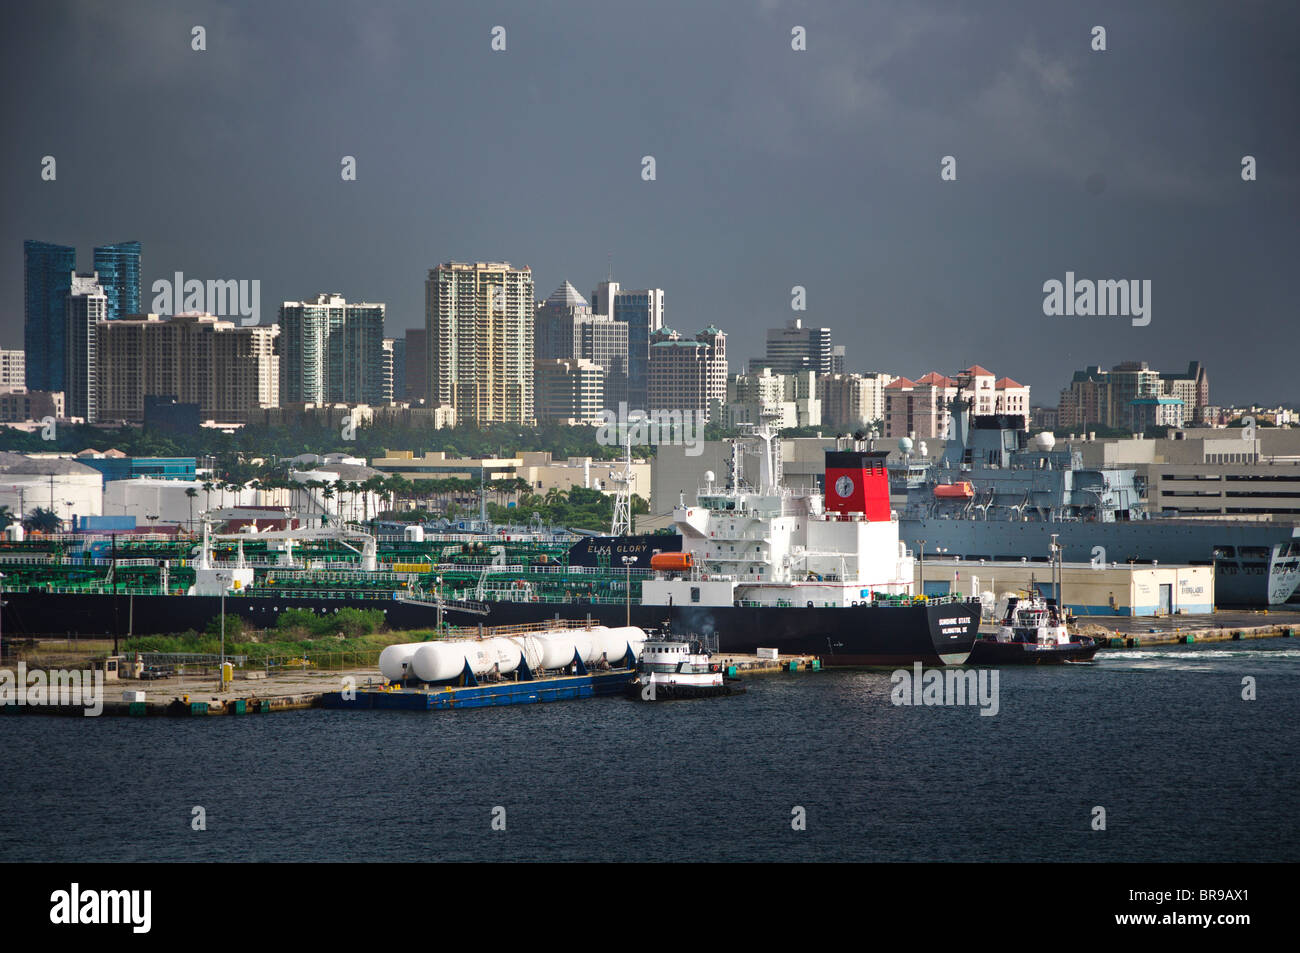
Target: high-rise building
[85, 307]
[797, 348]
[390, 371]
[13, 369]
[569, 391]
[398, 347]
[852, 401]
[479, 319]
[47, 275]
[417, 364]
[687, 375]
[643, 313]
[1193, 389]
[231, 372]
[783, 400]
[331, 351]
[118, 267]
[1107, 398]
[567, 328]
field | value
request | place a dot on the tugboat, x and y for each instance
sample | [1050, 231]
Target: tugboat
[674, 667]
[1032, 632]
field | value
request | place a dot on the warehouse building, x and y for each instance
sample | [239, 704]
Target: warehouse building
[1109, 589]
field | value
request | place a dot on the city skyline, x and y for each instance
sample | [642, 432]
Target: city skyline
[818, 168]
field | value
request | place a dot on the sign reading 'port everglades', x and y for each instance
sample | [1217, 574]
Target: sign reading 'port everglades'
[1107, 298]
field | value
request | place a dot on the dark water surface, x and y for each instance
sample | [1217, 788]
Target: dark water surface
[1161, 738]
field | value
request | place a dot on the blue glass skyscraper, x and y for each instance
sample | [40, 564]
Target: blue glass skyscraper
[643, 312]
[47, 276]
[119, 274]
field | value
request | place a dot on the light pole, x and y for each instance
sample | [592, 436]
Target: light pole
[922, 542]
[628, 561]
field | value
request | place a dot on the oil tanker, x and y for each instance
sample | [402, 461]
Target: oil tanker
[750, 565]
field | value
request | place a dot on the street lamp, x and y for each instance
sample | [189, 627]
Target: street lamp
[922, 542]
[628, 561]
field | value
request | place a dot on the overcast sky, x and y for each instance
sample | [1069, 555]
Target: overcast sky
[774, 168]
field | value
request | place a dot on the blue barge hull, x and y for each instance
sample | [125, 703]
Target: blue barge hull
[524, 692]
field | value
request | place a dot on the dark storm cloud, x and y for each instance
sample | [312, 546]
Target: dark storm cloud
[775, 167]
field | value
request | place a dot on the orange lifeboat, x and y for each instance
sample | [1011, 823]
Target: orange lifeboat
[672, 562]
[962, 490]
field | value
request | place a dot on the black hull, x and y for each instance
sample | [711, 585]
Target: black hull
[636, 691]
[989, 652]
[852, 636]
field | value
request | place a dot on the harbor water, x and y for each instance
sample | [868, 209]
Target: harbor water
[1161, 738]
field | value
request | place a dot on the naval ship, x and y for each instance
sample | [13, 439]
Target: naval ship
[996, 494]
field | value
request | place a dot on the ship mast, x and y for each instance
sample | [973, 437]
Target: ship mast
[622, 524]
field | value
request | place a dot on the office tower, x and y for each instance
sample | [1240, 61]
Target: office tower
[687, 374]
[230, 371]
[479, 319]
[797, 348]
[417, 365]
[85, 306]
[47, 275]
[118, 267]
[569, 391]
[331, 351]
[566, 328]
[13, 369]
[852, 401]
[602, 299]
[643, 313]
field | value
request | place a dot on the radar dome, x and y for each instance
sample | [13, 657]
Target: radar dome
[905, 444]
[923, 450]
[708, 476]
[1046, 440]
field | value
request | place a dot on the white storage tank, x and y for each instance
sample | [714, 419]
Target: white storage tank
[393, 658]
[531, 650]
[439, 661]
[15, 533]
[413, 534]
[492, 653]
[618, 640]
[557, 648]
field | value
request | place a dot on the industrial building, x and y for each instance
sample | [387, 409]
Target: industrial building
[1110, 589]
[66, 487]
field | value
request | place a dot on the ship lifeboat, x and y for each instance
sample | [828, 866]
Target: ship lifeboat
[672, 562]
[962, 490]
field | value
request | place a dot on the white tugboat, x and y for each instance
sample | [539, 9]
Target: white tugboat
[673, 667]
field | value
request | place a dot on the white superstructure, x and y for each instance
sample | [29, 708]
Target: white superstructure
[770, 545]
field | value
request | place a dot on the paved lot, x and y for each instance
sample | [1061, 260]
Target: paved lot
[1225, 619]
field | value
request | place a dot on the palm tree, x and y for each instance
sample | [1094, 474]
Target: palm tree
[191, 494]
[43, 521]
[208, 487]
[7, 518]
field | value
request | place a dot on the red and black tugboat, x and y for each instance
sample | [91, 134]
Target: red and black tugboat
[1032, 632]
